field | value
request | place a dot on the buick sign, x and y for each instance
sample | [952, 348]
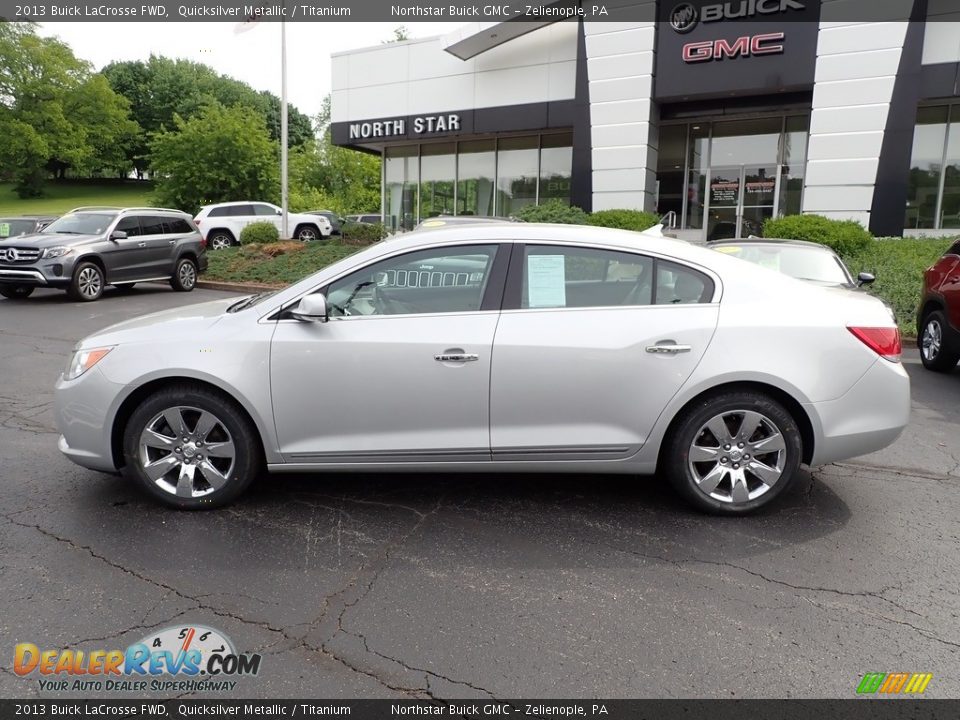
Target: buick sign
[684, 18]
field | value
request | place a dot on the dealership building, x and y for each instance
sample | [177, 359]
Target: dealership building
[719, 114]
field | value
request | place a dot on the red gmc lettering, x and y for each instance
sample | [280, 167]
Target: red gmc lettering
[765, 44]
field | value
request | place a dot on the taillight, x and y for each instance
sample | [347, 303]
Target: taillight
[203, 241]
[884, 341]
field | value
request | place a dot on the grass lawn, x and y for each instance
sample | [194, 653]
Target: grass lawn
[254, 264]
[898, 264]
[65, 195]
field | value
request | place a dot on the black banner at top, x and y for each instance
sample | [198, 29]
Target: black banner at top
[459, 10]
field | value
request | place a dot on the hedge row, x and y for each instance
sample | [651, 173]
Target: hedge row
[557, 211]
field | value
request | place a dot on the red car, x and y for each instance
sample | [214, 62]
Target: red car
[939, 318]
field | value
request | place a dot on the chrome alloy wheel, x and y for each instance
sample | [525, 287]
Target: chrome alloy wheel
[187, 275]
[89, 282]
[932, 340]
[187, 452]
[220, 241]
[737, 456]
[306, 235]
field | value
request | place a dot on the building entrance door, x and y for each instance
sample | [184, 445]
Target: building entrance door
[739, 199]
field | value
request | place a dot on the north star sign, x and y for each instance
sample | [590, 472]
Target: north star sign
[421, 124]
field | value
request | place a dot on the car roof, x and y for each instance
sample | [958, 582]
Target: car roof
[95, 210]
[769, 241]
[5, 218]
[237, 202]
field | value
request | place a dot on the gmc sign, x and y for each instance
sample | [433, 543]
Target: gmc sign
[746, 46]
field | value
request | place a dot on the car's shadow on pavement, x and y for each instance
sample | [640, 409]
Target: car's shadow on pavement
[522, 520]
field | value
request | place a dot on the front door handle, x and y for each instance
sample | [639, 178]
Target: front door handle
[668, 349]
[456, 357]
[141, 244]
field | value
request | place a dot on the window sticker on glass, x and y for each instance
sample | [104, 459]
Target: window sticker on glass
[4, 230]
[546, 281]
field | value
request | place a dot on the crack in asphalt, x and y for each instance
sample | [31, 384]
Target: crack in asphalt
[301, 641]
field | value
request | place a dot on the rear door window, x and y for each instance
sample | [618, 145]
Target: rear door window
[153, 225]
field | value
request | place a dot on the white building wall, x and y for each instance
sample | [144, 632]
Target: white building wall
[942, 39]
[624, 137]
[418, 76]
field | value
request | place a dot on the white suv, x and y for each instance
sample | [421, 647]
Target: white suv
[222, 223]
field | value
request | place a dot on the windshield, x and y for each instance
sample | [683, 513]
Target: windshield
[804, 263]
[80, 224]
[14, 227]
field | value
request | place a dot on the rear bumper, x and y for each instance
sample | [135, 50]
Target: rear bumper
[868, 418]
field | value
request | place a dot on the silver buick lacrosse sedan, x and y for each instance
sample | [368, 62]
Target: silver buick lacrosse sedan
[496, 347]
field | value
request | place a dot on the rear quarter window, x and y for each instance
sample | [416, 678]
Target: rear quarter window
[179, 226]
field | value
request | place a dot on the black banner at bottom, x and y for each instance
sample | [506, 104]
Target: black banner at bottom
[867, 709]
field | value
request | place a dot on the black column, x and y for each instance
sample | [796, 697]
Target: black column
[581, 181]
[890, 193]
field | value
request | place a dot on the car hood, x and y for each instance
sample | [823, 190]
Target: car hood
[45, 240]
[173, 324]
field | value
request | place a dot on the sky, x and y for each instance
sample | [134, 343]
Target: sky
[252, 56]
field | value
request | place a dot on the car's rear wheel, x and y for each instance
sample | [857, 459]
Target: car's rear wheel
[16, 292]
[185, 277]
[87, 282]
[933, 354]
[307, 233]
[191, 448]
[220, 240]
[733, 452]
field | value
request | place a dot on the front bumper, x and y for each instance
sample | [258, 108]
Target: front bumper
[869, 417]
[84, 411]
[41, 275]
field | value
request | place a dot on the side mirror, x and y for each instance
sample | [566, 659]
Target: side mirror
[865, 278]
[279, 212]
[118, 235]
[311, 308]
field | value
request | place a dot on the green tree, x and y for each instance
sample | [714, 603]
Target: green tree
[161, 88]
[54, 113]
[219, 155]
[348, 179]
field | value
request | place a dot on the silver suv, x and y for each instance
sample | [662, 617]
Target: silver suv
[91, 247]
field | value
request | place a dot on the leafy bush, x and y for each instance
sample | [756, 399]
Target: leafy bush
[898, 264]
[362, 233]
[846, 237]
[259, 233]
[624, 219]
[553, 211]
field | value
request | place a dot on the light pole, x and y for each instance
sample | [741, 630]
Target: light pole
[283, 128]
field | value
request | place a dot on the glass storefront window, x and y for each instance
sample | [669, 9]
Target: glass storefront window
[517, 173]
[475, 177]
[950, 205]
[671, 158]
[698, 168]
[438, 177]
[926, 168]
[793, 164]
[401, 179]
[556, 163]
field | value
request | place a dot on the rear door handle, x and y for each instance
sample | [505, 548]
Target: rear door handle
[668, 349]
[456, 357]
[141, 244]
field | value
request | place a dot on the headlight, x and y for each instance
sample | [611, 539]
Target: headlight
[55, 252]
[83, 360]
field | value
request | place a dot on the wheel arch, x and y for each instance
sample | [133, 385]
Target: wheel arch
[307, 223]
[790, 403]
[130, 403]
[214, 230]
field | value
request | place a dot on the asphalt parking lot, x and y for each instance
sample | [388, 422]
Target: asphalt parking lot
[499, 586]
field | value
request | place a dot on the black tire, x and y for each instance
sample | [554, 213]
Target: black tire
[87, 282]
[732, 460]
[308, 233]
[124, 287]
[933, 354]
[220, 239]
[184, 276]
[16, 292]
[232, 426]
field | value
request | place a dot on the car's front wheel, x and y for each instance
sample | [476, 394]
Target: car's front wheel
[733, 452]
[16, 292]
[933, 354]
[191, 448]
[87, 282]
[185, 277]
[307, 233]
